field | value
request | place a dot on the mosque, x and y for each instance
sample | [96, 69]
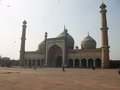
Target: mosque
[59, 51]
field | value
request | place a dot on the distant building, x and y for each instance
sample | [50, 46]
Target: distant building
[59, 51]
[5, 58]
[5, 61]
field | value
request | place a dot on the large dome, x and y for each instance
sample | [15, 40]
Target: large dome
[88, 42]
[41, 46]
[70, 40]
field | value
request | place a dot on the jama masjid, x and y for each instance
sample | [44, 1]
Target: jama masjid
[59, 51]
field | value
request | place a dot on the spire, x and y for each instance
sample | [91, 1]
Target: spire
[88, 33]
[64, 27]
[46, 35]
[102, 1]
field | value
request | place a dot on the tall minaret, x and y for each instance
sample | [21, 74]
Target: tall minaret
[104, 32]
[46, 63]
[22, 49]
[65, 48]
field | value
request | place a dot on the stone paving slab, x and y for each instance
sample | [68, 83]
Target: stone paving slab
[55, 79]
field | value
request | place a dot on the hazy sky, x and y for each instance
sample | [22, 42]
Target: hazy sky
[79, 16]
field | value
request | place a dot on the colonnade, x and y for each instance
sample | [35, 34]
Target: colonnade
[34, 62]
[71, 63]
[84, 63]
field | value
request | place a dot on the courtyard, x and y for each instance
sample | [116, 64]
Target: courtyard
[55, 79]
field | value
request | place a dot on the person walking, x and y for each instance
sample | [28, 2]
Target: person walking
[34, 67]
[93, 67]
[63, 69]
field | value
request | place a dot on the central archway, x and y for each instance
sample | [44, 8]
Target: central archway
[58, 61]
[54, 56]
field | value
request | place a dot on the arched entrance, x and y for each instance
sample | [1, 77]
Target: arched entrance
[38, 62]
[58, 62]
[54, 56]
[25, 62]
[29, 63]
[33, 64]
[76, 62]
[42, 62]
[90, 62]
[98, 62]
[83, 63]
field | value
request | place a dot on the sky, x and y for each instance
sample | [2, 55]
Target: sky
[79, 17]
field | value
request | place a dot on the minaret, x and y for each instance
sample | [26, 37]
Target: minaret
[45, 49]
[104, 32]
[65, 48]
[22, 49]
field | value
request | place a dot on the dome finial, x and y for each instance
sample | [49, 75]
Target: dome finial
[88, 33]
[64, 27]
[102, 1]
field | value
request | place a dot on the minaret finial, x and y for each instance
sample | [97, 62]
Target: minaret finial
[102, 1]
[103, 6]
[24, 22]
[46, 35]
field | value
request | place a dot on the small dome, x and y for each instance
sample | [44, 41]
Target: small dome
[88, 42]
[70, 40]
[41, 46]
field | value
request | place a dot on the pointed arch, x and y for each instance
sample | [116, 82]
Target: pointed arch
[58, 61]
[83, 63]
[29, 63]
[90, 62]
[33, 62]
[25, 62]
[54, 52]
[76, 62]
[38, 62]
[98, 62]
[42, 62]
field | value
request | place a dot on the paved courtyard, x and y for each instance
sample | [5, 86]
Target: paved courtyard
[55, 79]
